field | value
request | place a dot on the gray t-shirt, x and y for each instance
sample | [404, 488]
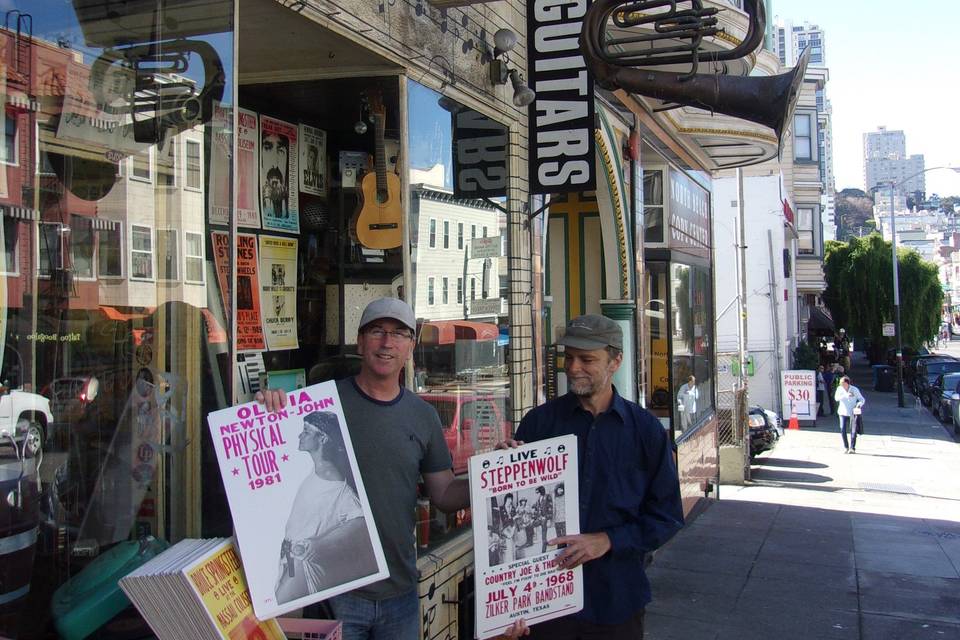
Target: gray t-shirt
[394, 442]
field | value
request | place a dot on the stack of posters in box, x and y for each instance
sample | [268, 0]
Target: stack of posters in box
[196, 590]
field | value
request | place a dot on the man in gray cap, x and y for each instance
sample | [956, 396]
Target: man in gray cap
[629, 490]
[397, 438]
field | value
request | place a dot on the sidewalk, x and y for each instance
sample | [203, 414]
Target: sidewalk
[822, 544]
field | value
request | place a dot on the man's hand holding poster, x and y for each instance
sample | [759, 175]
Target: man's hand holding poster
[301, 516]
[521, 499]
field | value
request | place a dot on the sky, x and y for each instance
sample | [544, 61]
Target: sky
[895, 64]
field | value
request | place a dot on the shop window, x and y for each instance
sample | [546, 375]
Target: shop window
[657, 362]
[11, 243]
[446, 234]
[51, 248]
[167, 254]
[194, 170]
[110, 250]
[141, 252]
[10, 140]
[193, 258]
[461, 353]
[82, 246]
[692, 348]
[653, 206]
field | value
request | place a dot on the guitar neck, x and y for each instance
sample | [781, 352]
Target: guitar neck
[380, 155]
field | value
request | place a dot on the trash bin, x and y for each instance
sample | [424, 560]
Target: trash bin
[886, 378]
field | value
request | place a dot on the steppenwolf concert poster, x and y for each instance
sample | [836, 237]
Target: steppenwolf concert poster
[249, 324]
[300, 513]
[520, 499]
[278, 175]
[278, 282]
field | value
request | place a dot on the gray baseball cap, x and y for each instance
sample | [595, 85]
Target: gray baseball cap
[392, 308]
[591, 332]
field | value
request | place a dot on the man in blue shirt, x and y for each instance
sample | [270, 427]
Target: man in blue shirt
[629, 490]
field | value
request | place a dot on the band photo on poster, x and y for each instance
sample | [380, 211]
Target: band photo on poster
[521, 499]
[279, 175]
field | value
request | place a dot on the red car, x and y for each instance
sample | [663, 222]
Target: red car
[473, 421]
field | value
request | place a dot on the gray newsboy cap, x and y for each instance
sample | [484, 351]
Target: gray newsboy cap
[392, 308]
[591, 332]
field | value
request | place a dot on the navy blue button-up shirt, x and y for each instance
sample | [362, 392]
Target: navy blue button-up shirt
[628, 489]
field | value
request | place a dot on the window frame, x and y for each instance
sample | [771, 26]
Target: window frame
[16, 140]
[460, 235]
[170, 233]
[446, 234]
[16, 248]
[94, 254]
[61, 253]
[121, 238]
[153, 251]
[150, 168]
[431, 290]
[432, 233]
[802, 210]
[445, 289]
[188, 257]
[811, 137]
[186, 165]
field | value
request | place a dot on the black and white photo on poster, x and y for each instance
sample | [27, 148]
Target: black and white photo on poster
[520, 523]
[521, 499]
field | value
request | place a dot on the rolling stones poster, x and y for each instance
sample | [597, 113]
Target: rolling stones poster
[278, 282]
[313, 161]
[249, 323]
[301, 517]
[521, 499]
[278, 175]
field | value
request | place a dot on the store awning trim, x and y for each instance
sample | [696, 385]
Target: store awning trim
[820, 320]
[449, 331]
[21, 213]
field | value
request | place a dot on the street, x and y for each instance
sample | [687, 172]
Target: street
[822, 544]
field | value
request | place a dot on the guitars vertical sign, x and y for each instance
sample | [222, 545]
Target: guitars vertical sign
[562, 115]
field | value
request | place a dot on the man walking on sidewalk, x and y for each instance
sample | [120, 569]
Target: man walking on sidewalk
[849, 405]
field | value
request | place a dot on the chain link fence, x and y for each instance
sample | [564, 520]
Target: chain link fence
[731, 403]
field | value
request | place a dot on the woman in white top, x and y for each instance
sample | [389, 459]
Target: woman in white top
[326, 518]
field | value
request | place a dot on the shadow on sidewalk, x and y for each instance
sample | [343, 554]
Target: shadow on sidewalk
[758, 570]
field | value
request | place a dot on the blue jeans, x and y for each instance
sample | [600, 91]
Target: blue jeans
[396, 618]
[849, 422]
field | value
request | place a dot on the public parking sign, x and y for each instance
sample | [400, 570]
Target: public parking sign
[799, 392]
[889, 330]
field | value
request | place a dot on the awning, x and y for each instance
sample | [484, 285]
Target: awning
[115, 314]
[820, 321]
[21, 213]
[449, 331]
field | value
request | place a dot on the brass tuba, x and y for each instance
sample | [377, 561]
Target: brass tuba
[769, 101]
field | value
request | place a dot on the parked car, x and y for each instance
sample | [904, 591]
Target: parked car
[473, 421]
[24, 419]
[946, 386]
[911, 367]
[763, 430]
[927, 375]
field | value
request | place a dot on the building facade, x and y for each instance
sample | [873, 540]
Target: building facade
[885, 159]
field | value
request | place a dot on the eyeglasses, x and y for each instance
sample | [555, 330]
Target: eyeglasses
[380, 333]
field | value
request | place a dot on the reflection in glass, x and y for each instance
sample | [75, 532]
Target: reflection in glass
[692, 347]
[460, 357]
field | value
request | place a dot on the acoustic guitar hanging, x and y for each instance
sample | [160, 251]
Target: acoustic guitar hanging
[380, 217]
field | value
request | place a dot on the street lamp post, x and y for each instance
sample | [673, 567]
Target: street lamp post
[896, 281]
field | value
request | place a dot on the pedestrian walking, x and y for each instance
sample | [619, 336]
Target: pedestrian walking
[822, 399]
[828, 379]
[849, 406]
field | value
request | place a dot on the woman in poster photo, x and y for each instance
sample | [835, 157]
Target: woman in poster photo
[325, 541]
